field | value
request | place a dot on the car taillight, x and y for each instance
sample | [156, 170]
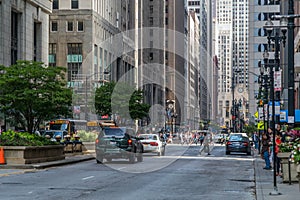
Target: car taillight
[129, 142]
[228, 143]
[153, 143]
[97, 141]
[245, 143]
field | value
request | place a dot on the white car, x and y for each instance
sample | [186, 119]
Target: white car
[152, 144]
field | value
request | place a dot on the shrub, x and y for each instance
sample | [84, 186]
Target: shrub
[12, 138]
[87, 136]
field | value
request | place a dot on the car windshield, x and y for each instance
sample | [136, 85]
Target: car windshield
[238, 138]
[114, 131]
[149, 137]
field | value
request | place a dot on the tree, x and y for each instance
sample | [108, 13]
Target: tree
[32, 92]
[121, 98]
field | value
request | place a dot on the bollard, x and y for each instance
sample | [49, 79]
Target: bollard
[289, 165]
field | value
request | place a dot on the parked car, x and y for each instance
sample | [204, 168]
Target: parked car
[153, 144]
[238, 142]
[53, 135]
[220, 138]
[118, 142]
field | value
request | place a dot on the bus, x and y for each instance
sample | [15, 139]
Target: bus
[69, 125]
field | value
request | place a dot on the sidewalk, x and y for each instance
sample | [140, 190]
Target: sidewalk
[264, 180]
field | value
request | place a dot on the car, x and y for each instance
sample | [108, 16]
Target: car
[238, 142]
[219, 138]
[54, 135]
[153, 144]
[118, 142]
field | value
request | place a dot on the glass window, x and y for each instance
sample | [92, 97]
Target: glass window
[74, 4]
[55, 4]
[54, 26]
[80, 26]
[69, 26]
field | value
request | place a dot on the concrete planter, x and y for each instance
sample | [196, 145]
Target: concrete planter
[15, 155]
[88, 146]
[285, 167]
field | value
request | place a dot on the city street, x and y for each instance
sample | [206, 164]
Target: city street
[181, 174]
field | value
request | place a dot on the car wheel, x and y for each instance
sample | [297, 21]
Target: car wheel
[227, 152]
[139, 155]
[131, 158]
[249, 153]
[163, 151]
[99, 159]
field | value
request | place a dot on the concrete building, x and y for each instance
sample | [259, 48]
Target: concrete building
[259, 12]
[205, 92]
[81, 34]
[232, 52]
[24, 29]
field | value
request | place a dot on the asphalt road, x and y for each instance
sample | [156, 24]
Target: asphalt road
[181, 174]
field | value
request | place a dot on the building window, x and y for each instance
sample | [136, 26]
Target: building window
[14, 37]
[151, 9]
[74, 4]
[151, 56]
[52, 55]
[150, 21]
[74, 59]
[166, 21]
[55, 4]
[69, 26]
[167, 9]
[54, 26]
[80, 26]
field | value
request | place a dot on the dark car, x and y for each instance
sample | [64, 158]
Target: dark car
[238, 143]
[118, 142]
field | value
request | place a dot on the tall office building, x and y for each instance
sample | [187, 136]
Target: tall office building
[81, 34]
[24, 30]
[232, 52]
[205, 90]
[259, 12]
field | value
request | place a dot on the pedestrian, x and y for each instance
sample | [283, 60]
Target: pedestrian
[206, 144]
[265, 150]
[255, 140]
[201, 139]
[277, 142]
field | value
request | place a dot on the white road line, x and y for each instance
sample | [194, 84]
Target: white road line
[121, 168]
[88, 177]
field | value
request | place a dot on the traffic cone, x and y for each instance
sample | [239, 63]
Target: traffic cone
[2, 159]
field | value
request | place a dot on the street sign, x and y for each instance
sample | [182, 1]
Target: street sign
[277, 108]
[260, 125]
[260, 113]
[277, 81]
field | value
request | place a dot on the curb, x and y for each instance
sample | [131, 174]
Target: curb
[66, 161]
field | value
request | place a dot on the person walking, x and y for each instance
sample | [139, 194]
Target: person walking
[277, 142]
[265, 151]
[206, 144]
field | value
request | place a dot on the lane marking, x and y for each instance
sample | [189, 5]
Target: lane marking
[121, 168]
[88, 177]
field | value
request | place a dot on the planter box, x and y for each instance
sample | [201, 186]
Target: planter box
[15, 155]
[88, 146]
[285, 167]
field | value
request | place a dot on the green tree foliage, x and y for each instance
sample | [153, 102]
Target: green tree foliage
[120, 97]
[31, 93]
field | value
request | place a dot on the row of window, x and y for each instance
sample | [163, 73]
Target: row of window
[74, 4]
[69, 26]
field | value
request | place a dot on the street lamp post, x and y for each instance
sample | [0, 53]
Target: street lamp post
[290, 24]
[275, 98]
[234, 103]
[87, 77]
